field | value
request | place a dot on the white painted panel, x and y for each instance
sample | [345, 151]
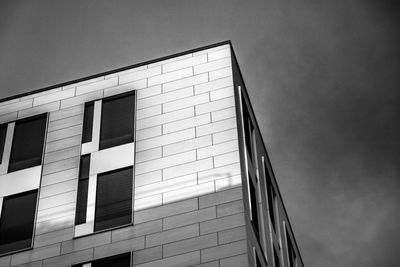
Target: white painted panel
[20, 181]
[138, 75]
[8, 117]
[125, 87]
[210, 50]
[7, 148]
[40, 100]
[49, 107]
[148, 178]
[95, 86]
[91, 200]
[213, 65]
[94, 144]
[112, 158]
[176, 65]
[188, 192]
[170, 76]
[149, 91]
[226, 183]
[89, 147]
[148, 202]
[16, 106]
[219, 54]
[84, 229]
[220, 73]
[181, 83]
[213, 85]
[124, 72]
[165, 186]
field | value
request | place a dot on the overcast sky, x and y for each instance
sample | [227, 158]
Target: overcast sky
[323, 77]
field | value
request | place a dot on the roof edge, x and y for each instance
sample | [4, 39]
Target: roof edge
[116, 70]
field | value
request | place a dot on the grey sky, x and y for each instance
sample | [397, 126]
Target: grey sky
[323, 77]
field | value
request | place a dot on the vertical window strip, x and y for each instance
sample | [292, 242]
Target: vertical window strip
[3, 134]
[7, 148]
[108, 122]
[270, 196]
[88, 122]
[276, 258]
[1, 205]
[248, 131]
[254, 204]
[83, 186]
[244, 147]
[290, 248]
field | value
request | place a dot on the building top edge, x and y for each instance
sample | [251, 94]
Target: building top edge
[228, 42]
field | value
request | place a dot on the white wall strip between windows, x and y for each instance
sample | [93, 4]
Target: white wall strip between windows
[7, 148]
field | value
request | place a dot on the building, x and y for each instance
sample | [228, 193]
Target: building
[157, 164]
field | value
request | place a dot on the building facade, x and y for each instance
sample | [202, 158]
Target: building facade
[157, 164]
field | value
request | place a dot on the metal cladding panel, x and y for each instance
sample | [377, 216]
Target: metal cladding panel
[187, 196]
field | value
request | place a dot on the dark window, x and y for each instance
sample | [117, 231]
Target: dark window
[117, 121]
[3, 133]
[114, 199]
[292, 254]
[258, 263]
[248, 130]
[16, 223]
[28, 142]
[83, 184]
[276, 259]
[254, 204]
[122, 260]
[88, 122]
[270, 197]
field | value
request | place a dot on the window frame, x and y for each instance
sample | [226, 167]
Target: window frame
[21, 174]
[39, 116]
[132, 199]
[271, 197]
[111, 98]
[2, 200]
[92, 147]
[292, 261]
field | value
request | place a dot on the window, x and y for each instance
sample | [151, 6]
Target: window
[254, 206]
[108, 122]
[114, 199]
[21, 147]
[271, 196]
[83, 184]
[122, 260]
[88, 122]
[105, 187]
[248, 131]
[16, 228]
[292, 254]
[271, 203]
[27, 148]
[276, 258]
[3, 133]
[117, 121]
[258, 263]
